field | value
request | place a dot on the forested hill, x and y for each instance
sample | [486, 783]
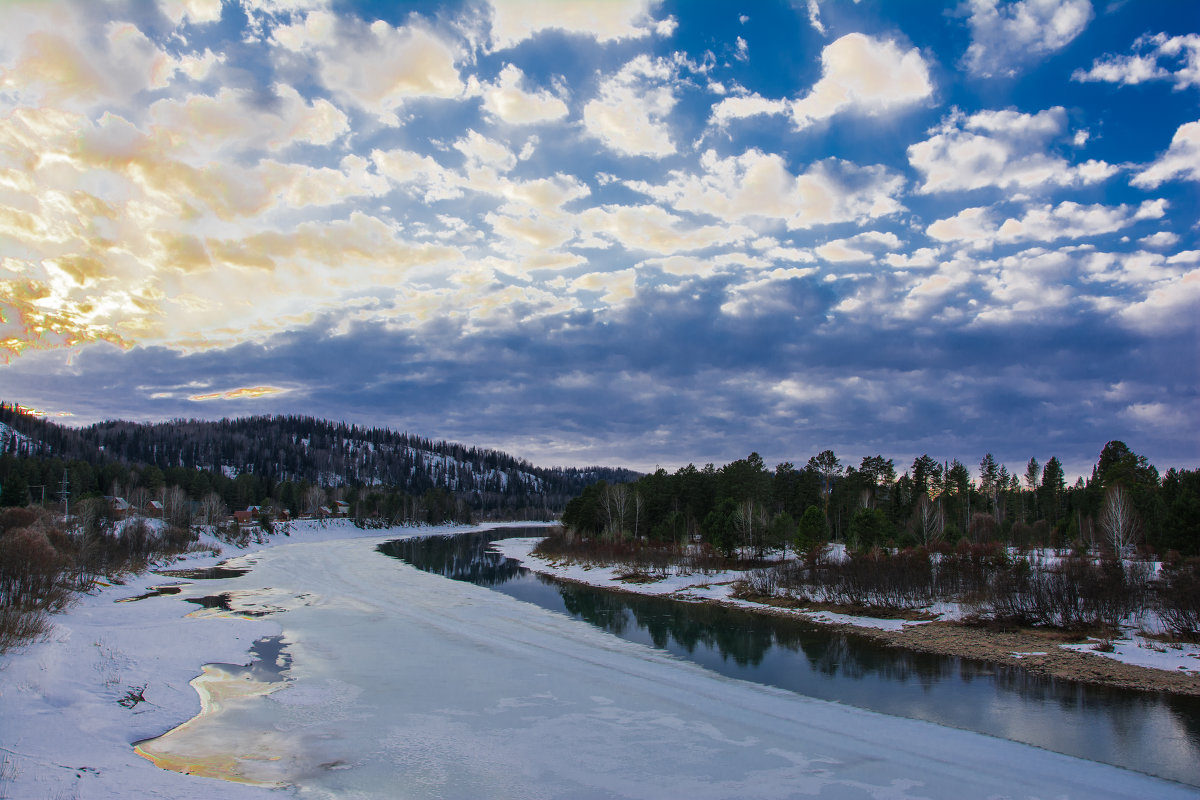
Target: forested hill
[267, 451]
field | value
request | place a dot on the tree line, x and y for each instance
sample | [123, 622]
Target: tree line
[746, 507]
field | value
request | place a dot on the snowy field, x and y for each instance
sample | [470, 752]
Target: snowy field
[1134, 649]
[403, 684]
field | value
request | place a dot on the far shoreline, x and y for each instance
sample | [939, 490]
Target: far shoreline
[1035, 651]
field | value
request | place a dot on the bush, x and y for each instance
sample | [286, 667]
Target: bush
[1179, 598]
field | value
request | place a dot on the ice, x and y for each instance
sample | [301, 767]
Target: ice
[406, 684]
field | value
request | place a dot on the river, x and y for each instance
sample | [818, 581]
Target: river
[1148, 732]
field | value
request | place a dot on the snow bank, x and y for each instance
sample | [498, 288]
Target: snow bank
[1134, 649]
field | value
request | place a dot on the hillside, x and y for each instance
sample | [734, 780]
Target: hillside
[269, 451]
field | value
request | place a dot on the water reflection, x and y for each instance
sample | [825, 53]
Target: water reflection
[1153, 733]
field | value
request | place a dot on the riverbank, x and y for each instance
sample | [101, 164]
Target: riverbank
[1136, 662]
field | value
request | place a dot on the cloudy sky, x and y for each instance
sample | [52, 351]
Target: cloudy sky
[625, 232]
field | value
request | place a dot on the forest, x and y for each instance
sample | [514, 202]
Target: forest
[288, 463]
[1024, 549]
[1125, 504]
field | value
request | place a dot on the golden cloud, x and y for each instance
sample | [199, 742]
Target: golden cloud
[244, 393]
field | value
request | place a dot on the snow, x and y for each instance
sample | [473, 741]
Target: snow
[404, 683]
[1146, 652]
[697, 586]
[1134, 649]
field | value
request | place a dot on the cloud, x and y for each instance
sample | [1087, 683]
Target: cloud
[857, 248]
[1181, 54]
[514, 21]
[629, 115]
[237, 119]
[1181, 161]
[757, 184]
[1067, 220]
[196, 12]
[1000, 149]
[508, 101]
[1006, 37]
[244, 393]
[651, 229]
[859, 74]
[864, 75]
[1171, 306]
[376, 67]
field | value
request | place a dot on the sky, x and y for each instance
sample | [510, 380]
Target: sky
[625, 232]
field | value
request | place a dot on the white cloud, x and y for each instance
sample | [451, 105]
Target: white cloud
[514, 21]
[629, 114]
[508, 100]
[859, 74]
[862, 247]
[866, 75]
[1007, 36]
[757, 184]
[1170, 306]
[376, 67]
[1002, 149]
[1182, 159]
[1160, 240]
[1067, 220]
[195, 12]
[814, 16]
[235, 119]
[650, 228]
[1146, 64]
[482, 151]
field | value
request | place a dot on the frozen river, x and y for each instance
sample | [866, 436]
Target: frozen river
[1152, 733]
[403, 683]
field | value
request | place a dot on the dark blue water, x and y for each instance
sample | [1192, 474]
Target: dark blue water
[1149, 732]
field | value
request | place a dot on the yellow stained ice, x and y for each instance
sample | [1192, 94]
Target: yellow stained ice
[199, 747]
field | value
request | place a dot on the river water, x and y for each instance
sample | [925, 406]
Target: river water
[1148, 732]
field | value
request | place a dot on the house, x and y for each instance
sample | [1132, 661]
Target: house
[341, 508]
[154, 509]
[119, 507]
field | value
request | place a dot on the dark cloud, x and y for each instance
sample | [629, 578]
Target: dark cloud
[670, 379]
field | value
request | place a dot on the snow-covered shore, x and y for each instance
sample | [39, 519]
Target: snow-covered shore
[406, 684]
[1135, 649]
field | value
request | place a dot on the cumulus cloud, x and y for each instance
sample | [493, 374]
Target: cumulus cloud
[376, 67]
[508, 100]
[652, 229]
[1000, 149]
[514, 21]
[1181, 161]
[757, 184]
[1007, 36]
[1169, 307]
[234, 119]
[196, 12]
[1068, 220]
[629, 115]
[1154, 58]
[859, 74]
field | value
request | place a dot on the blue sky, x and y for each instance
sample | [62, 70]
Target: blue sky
[620, 231]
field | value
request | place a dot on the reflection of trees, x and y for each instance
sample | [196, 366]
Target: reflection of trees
[463, 556]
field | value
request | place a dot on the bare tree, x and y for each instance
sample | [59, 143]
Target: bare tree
[314, 496]
[614, 501]
[1118, 520]
[212, 509]
[177, 510]
[929, 521]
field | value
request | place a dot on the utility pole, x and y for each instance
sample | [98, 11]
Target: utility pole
[66, 494]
